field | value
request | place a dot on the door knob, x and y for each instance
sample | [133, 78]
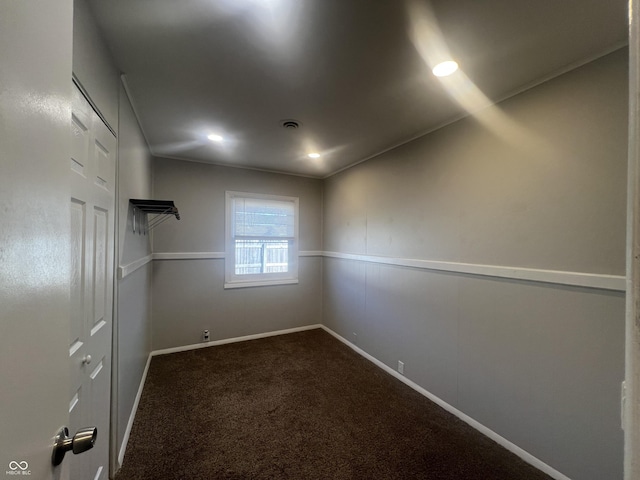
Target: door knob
[81, 442]
[87, 359]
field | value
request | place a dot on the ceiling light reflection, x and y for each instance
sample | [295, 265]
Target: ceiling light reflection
[428, 40]
[444, 69]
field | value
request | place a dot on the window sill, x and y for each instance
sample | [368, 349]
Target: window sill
[260, 283]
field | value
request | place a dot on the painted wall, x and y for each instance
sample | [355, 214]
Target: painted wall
[134, 290]
[93, 67]
[188, 294]
[539, 182]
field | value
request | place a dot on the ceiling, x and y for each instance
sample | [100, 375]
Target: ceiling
[356, 74]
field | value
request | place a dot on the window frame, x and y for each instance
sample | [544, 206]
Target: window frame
[233, 280]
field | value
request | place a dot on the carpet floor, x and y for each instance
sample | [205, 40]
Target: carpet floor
[299, 406]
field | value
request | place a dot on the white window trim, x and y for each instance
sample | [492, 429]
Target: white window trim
[231, 280]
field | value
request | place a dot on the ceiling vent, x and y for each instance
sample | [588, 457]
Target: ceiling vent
[290, 124]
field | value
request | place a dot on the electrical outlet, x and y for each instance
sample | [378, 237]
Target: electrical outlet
[400, 367]
[205, 336]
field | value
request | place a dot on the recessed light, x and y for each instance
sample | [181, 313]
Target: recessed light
[314, 155]
[215, 138]
[445, 69]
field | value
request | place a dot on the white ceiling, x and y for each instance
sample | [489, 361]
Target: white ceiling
[355, 73]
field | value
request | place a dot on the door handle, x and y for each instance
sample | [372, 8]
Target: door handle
[80, 442]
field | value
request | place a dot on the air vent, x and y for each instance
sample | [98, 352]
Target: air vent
[290, 124]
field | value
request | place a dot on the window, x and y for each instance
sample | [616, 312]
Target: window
[261, 240]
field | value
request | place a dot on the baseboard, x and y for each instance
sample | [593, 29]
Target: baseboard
[523, 454]
[127, 432]
[513, 448]
[214, 343]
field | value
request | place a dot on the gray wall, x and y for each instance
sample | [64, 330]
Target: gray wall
[134, 291]
[188, 294]
[93, 65]
[94, 69]
[544, 188]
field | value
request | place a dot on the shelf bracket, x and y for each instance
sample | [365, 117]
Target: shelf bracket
[161, 209]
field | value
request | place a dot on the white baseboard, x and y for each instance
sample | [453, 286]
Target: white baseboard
[132, 416]
[512, 447]
[214, 343]
[523, 454]
[134, 410]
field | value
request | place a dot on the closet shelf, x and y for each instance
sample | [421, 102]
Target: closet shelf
[162, 209]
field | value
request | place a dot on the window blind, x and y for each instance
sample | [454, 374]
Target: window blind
[263, 218]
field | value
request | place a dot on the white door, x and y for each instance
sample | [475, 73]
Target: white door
[92, 203]
[35, 107]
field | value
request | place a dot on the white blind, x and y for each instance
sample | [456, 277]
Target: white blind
[255, 217]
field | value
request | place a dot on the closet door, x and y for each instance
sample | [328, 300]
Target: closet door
[92, 204]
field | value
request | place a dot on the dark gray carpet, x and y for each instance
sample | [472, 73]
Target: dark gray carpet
[299, 406]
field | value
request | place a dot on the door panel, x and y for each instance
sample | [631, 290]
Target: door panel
[80, 141]
[92, 173]
[78, 220]
[100, 219]
[100, 383]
